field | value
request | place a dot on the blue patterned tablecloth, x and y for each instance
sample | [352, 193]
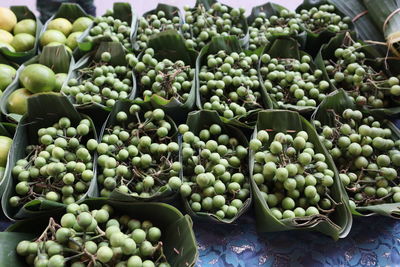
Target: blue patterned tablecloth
[373, 241]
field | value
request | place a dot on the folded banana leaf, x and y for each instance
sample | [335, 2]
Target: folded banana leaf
[43, 111]
[71, 12]
[338, 102]
[165, 193]
[374, 59]
[229, 44]
[315, 40]
[54, 57]
[338, 224]
[179, 243]
[272, 9]
[6, 129]
[283, 47]
[203, 119]
[122, 11]
[386, 17]
[170, 12]
[23, 12]
[171, 45]
[99, 112]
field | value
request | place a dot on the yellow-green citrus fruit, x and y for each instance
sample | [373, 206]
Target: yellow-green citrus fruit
[23, 42]
[51, 36]
[8, 46]
[72, 40]
[81, 24]
[60, 24]
[7, 75]
[8, 19]
[38, 78]
[60, 79]
[5, 36]
[5, 145]
[2, 171]
[25, 26]
[17, 101]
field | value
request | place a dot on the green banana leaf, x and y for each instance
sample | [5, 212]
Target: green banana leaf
[23, 12]
[43, 111]
[71, 12]
[54, 57]
[338, 102]
[271, 9]
[171, 45]
[338, 224]
[165, 193]
[169, 10]
[374, 59]
[124, 12]
[207, 5]
[203, 119]
[6, 129]
[229, 44]
[178, 238]
[283, 47]
[99, 112]
[315, 40]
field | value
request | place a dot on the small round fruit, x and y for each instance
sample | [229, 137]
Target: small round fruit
[51, 36]
[60, 24]
[81, 24]
[25, 26]
[8, 19]
[7, 75]
[60, 79]
[23, 42]
[72, 40]
[5, 145]
[17, 101]
[5, 37]
[38, 78]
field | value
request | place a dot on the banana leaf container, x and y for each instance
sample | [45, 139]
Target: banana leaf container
[338, 224]
[43, 111]
[54, 57]
[165, 193]
[271, 9]
[23, 12]
[280, 48]
[178, 238]
[97, 111]
[203, 119]
[373, 58]
[171, 45]
[71, 12]
[206, 5]
[338, 102]
[8, 130]
[124, 12]
[170, 12]
[229, 44]
[315, 40]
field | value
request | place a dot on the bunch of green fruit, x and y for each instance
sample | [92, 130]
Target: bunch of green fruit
[100, 82]
[229, 84]
[292, 81]
[215, 177]
[202, 24]
[33, 79]
[97, 237]
[294, 179]
[350, 70]
[263, 28]
[139, 155]
[16, 36]
[60, 31]
[59, 167]
[153, 24]
[165, 78]
[366, 156]
[324, 17]
[109, 27]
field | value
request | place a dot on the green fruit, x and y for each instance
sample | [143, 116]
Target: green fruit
[5, 145]
[17, 101]
[38, 78]
[81, 24]
[50, 36]
[5, 37]
[60, 79]
[23, 42]
[72, 40]
[60, 24]
[7, 75]
[25, 26]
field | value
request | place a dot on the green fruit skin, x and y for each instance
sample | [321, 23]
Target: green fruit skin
[60, 79]
[17, 101]
[72, 40]
[25, 26]
[81, 24]
[38, 78]
[51, 36]
[7, 74]
[23, 42]
[5, 145]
